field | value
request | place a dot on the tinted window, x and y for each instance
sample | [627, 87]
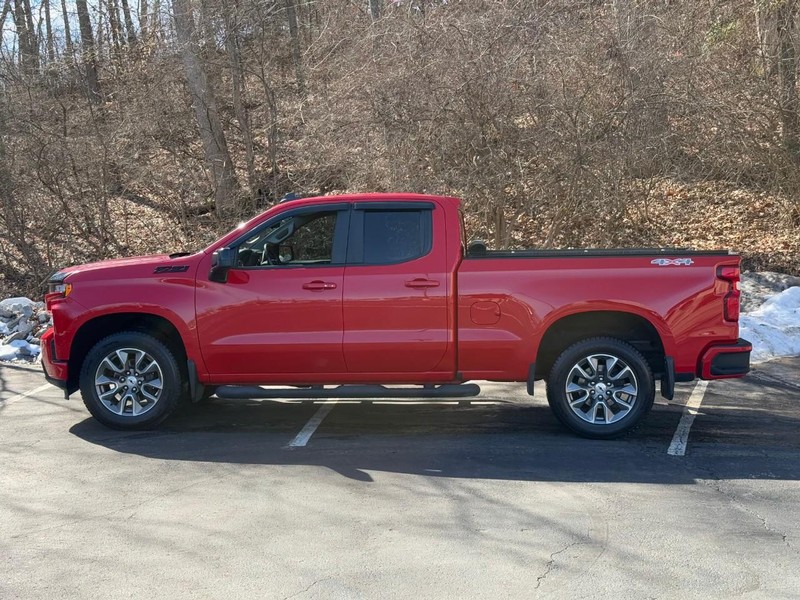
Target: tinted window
[396, 236]
[305, 239]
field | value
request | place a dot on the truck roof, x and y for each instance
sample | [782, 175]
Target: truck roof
[396, 196]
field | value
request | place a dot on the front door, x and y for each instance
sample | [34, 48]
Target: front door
[280, 310]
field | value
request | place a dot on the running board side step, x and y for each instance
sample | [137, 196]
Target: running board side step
[452, 390]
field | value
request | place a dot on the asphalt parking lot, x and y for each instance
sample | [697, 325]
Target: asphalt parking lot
[488, 498]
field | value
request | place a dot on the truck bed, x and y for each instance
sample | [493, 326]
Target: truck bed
[593, 252]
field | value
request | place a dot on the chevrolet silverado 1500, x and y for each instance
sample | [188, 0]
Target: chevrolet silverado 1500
[361, 295]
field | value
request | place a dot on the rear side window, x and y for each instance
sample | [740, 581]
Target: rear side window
[396, 236]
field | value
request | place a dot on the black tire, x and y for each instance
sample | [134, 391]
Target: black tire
[608, 386]
[117, 409]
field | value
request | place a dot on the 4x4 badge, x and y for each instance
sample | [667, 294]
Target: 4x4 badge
[666, 262]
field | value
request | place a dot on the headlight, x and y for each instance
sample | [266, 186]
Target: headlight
[57, 289]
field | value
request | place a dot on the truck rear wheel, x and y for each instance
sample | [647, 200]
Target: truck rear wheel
[130, 380]
[600, 388]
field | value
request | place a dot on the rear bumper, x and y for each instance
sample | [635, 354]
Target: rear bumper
[55, 371]
[726, 361]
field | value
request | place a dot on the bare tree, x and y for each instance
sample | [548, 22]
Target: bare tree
[51, 48]
[89, 56]
[215, 146]
[294, 34]
[4, 14]
[126, 12]
[787, 70]
[27, 37]
[238, 91]
[32, 37]
[143, 20]
[113, 21]
[67, 33]
[375, 9]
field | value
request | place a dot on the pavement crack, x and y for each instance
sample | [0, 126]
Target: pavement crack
[715, 483]
[551, 563]
[134, 507]
[301, 592]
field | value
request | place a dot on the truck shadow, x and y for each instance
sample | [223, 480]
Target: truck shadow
[512, 441]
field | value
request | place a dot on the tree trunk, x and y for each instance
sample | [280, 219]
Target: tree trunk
[32, 39]
[113, 22]
[291, 14]
[6, 10]
[232, 48]
[155, 22]
[126, 12]
[88, 50]
[209, 36]
[27, 46]
[375, 9]
[787, 70]
[500, 238]
[143, 21]
[67, 34]
[48, 28]
[206, 113]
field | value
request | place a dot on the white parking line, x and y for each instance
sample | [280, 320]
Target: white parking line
[681, 437]
[13, 399]
[301, 439]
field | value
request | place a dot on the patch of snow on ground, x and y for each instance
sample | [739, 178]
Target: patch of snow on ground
[19, 349]
[21, 305]
[774, 327]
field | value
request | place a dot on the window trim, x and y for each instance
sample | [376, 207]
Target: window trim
[355, 245]
[340, 235]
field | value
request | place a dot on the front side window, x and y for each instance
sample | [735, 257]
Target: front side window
[396, 236]
[300, 240]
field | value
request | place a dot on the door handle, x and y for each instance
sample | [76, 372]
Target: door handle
[422, 283]
[318, 286]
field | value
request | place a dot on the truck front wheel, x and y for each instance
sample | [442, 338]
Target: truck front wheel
[600, 387]
[130, 380]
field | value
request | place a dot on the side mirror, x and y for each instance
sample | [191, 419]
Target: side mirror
[476, 248]
[221, 262]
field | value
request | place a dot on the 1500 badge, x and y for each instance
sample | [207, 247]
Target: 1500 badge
[666, 262]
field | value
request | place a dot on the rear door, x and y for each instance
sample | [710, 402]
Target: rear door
[396, 291]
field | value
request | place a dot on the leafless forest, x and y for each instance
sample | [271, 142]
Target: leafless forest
[139, 127]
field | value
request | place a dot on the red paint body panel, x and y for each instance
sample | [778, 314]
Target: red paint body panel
[684, 304]
[437, 318]
[392, 326]
[263, 322]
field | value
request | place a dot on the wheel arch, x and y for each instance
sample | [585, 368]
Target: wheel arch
[647, 337]
[99, 327]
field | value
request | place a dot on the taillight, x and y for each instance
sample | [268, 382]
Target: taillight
[730, 274]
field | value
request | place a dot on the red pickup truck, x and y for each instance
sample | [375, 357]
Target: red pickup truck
[380, 295]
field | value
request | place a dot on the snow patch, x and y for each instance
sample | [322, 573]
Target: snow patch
[19, 349]
[774, 327]
[21, 306]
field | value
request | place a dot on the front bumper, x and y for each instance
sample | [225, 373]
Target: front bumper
[55, 371]
[726, 361]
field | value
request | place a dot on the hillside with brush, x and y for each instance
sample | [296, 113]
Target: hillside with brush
[128, 130]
